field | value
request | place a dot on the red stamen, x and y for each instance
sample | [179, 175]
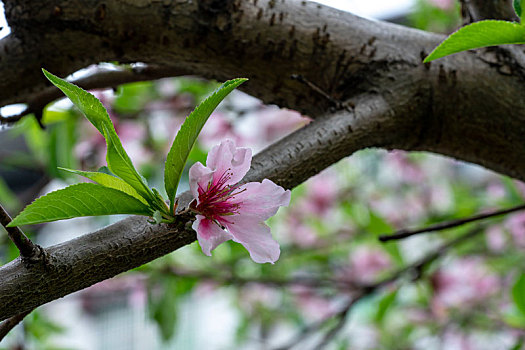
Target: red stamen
[214, 201]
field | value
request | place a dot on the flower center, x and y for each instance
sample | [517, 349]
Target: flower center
[214, 201]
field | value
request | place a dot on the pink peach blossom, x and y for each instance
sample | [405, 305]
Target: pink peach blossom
[462, 284]
[312, 305]
[496, 239]
[299, 232]
[443, 4]
[516, 226]
[367, 264]
[321, 194]
[228, 210]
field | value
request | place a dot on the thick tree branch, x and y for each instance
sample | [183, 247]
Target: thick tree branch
[464, 106]
[266, 41]
[470, 105]
[84, 261]
[100, 78]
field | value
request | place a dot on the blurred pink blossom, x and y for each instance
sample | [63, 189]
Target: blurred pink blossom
[495, 237]
[218, 128]
[516, 226]
[270, 124]
[408, 171]
[366, 264]
[299, 232]
[312, 305]
[130, 287]
[462, 284]
[457, 339]
[228, 210]
[495, 190]
[443, 4]
[399, 211]
[274, 124]
[322, 191]
[255, 295]
[441, 197]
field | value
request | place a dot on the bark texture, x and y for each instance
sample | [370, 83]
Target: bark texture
[94, 257]
[362, 81]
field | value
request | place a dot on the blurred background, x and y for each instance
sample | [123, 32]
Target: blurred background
[469, 296]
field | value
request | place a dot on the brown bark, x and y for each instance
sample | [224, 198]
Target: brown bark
[84, 261]
[477, 10]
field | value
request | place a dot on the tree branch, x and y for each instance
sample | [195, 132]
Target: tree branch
[229, 278]
[263, 40]
[7, 325]
[478, 10]
[26, 248]
[445, 225]
[341, 315]
[101, 78]
[270, 42]
[89, 259]
[446, 107]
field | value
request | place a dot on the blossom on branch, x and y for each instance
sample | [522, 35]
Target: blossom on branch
[228, 210]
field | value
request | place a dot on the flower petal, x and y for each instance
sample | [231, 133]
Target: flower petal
[228, 158]
[261, 199]
[255, 236]
[199, 176]
[209, 234]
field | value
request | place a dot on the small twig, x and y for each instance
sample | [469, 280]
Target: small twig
[102, 78]
[314, 327]
[342, 314]
[404, 233]
[27, 248]
[7, 325]
[337, 103]
[313, 282]
[341, 320]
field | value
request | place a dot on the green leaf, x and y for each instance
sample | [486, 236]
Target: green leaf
[120, 164]
[518, 345]
[479, 34]
[118, 160]
[518, 293]
[7, 197]
[160, 203]
[84, 199]
[110, 181]
[164, 307]
[86, 102]
[377, 226]
[187, 135]
[384, 305]
[518, 7]
[514, 319]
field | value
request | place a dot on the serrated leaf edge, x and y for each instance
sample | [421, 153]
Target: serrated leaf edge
[14, 222]
[451, 37]
[172, 191]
